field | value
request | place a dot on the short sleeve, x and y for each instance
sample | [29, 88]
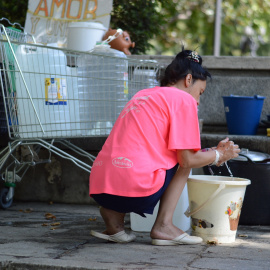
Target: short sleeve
[184, 131]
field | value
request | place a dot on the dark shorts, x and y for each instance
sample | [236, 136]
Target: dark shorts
[139, 205]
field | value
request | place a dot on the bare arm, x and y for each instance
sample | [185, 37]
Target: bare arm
[192, 159]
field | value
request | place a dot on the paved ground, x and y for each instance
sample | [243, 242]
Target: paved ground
[30, 239]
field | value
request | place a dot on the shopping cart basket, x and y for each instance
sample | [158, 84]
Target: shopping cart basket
[52, 95]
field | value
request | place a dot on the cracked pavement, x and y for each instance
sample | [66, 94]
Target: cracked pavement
[57, 236]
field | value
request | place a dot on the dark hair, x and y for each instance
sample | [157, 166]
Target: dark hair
[186, 62]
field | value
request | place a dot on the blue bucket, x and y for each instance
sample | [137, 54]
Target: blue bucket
[243, 113]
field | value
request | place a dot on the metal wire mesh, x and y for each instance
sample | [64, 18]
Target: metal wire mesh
[55, 93]
[16, 35]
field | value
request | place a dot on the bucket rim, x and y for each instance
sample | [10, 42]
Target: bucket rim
[255, 97]
[214, 179]
[88, 25]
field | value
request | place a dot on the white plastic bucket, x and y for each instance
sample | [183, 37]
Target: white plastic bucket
[141, 224]
[215, 204]
[82, 36]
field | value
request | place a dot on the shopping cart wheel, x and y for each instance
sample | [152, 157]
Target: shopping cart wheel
[4, 203]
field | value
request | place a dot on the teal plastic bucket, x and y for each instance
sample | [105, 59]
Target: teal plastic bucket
[243, 113]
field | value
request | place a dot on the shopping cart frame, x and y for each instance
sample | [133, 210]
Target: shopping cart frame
[12, 168]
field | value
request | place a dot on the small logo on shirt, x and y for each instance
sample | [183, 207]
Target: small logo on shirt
[122, 162]
[140, 101]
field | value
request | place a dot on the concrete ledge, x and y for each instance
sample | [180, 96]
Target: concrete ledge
[221, 62]
[255, 143]
[244, 76]
[258, 142]
[71, 186]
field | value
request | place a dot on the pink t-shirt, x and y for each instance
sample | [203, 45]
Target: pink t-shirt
[143, 142]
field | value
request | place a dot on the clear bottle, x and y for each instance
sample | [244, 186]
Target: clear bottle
[103, 88]
[144, 76]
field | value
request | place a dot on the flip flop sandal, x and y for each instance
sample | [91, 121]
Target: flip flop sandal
[120, 237]
[183, 239]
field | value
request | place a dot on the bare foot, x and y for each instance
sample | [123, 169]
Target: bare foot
[165, 232]
[114, 221]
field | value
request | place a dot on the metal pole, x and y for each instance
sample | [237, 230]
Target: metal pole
[217, 28]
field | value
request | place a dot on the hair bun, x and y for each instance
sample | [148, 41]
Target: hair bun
[185, 62]
[190, 55]
[193, 56]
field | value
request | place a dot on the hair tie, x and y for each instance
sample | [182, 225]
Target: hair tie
[193, 56]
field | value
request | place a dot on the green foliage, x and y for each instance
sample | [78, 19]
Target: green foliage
[237, 16]
[14, 11]
[192, 23]
[162, 26]
[142, 19]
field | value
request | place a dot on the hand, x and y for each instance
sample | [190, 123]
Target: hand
[227, 150]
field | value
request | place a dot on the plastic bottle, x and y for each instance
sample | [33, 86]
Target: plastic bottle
[144, 76]
[103, 88]
[53, 91]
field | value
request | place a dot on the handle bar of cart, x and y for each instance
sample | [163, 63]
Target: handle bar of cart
[22, 76]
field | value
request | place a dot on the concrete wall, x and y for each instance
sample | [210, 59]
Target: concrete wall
[231, 75]
[246, 76]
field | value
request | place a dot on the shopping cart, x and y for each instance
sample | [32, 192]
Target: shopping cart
[52, 95]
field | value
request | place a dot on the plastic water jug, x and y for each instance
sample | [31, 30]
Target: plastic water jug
[143, 77]
[103, 88]
[53, 91]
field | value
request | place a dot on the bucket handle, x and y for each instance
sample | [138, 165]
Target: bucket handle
[189, 213]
